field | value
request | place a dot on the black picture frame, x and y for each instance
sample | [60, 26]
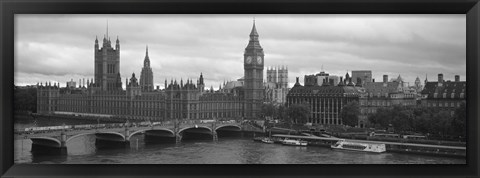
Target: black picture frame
[8, 9]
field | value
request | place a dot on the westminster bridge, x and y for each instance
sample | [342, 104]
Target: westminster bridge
[56, 141]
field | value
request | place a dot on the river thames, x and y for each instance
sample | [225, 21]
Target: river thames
[224, 151]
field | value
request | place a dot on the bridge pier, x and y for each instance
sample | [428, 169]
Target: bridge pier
[127, 133]
[214, 135]
[178, 138]
[63, 140]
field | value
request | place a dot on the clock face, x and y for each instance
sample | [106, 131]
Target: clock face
[259, 59]
[249, 59]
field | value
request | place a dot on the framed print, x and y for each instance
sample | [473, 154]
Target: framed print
[183, 89]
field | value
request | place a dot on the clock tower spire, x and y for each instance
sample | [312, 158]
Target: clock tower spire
[253, 75]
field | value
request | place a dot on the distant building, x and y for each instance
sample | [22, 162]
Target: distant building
[446, 95]
[362, 76]
[326, 101]
[418, 87]
[315, 79]
[71, 84]
[276, 87]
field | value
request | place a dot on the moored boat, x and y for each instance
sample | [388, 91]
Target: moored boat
[358, 146]
[267, 140]
[294, 142]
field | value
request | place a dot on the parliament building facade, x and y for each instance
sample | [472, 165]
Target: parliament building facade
[104, 95]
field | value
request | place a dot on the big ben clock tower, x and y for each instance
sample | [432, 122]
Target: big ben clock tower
[253, 75]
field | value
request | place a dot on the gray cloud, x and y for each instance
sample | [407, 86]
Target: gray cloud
[60, 47]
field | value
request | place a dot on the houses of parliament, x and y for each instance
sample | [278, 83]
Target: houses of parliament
[104, 95]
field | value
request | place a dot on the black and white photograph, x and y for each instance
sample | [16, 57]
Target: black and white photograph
[240, 89]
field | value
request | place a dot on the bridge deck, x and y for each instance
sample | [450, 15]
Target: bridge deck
[69, 133]
[369, 141]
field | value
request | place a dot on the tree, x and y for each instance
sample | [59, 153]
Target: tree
[442, 122]
[298, 113]
[401, 118]
[282, 112]
[268, 110]
[25, 100]
[349, 113]
[381, 118]
[458, 122]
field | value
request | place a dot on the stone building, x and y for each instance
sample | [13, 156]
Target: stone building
[325, 102]
[104, 96]
[107, 65]
[382, 95]
[446, 95]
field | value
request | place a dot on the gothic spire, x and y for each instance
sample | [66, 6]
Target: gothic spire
[254, 43]
[146, 62]
[254, 30]
[201, 78]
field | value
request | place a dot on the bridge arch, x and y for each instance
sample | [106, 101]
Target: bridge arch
[194, 127]
[115, 134]
[46, 141]
[78, 135]
[229, 126]
[136, 132]
[144, 130]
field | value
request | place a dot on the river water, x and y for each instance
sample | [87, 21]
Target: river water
[82, 150]
[233, 150]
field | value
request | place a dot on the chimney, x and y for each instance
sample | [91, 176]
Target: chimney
[341, 82]
[297, 79]
[385, 78]
[457, 78]
[373, 80]
[158, 87]
[440, 78]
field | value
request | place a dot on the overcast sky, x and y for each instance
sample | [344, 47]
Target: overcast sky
[58, 48]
